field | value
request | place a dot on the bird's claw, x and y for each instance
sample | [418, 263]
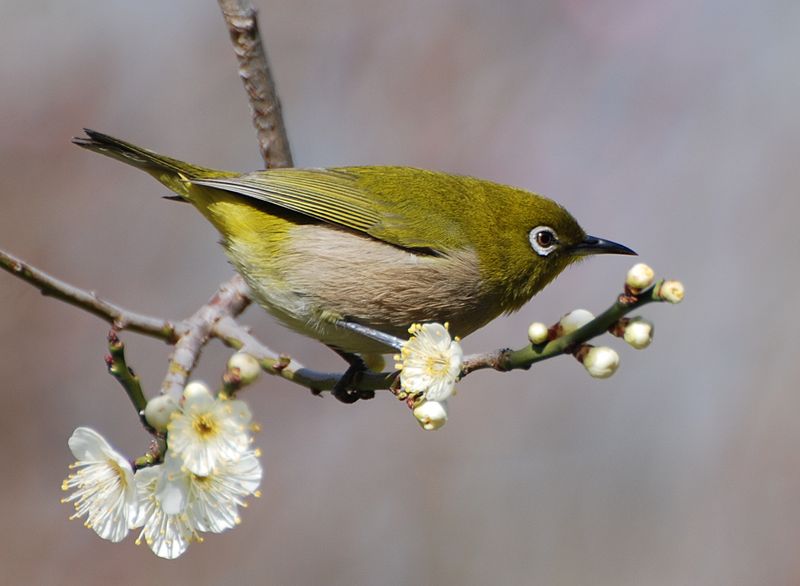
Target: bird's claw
[346, 389]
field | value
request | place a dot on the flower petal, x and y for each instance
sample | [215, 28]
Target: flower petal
[88, 445]
[102, 488]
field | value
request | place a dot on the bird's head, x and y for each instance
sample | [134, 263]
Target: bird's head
[532, 242]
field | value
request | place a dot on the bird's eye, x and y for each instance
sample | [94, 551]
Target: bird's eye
[543, 240]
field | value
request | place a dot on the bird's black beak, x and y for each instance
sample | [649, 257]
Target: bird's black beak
[595, 245]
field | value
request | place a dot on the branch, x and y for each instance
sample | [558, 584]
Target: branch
[240, 16]
[230, 300]
[233, 296]
[505, 360]
[216, 319]
[119, 369]
[119, 317]
[236, 336]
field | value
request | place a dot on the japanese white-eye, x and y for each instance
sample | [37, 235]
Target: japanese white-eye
[383, 247]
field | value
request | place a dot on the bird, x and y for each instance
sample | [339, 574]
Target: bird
[353, 256]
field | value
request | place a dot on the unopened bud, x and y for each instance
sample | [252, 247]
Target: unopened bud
[574, 320]
[431, 415]
[640, 277]
[538, 333]
[158, 411]
[601, 361]
[247, 366]
[672, 291]
[195, 389]
[638, 333]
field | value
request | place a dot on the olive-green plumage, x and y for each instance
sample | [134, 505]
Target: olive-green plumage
[379, 246]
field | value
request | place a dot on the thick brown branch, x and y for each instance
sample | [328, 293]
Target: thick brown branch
[229, 301]
[240, 16]
[119, 317]
[232, 298]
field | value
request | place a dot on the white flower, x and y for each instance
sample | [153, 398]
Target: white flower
[103, 486]
[640, 277]
[246, 365]
[574, 320]
[430, 362]
[214, 500]
[431, 415]
[638, 333]
[174, 504]
[538, 333]
[601, 361]
[208, 430]
[163, 492]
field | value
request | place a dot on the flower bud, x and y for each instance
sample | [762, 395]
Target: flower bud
[538, 333]
[158, 411]
[601, 361]
[672, 291]
[194, 390]
[431, 415]
[247, 365]
[638, 333]
[640, 277]
[574, 320]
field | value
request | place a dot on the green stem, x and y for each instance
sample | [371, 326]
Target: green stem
[118, 368]
[523, 358]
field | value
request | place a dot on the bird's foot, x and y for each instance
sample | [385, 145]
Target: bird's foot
[346, 389]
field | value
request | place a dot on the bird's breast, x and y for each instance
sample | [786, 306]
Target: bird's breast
[317, 273]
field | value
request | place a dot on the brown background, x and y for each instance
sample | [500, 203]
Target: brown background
[669, 126]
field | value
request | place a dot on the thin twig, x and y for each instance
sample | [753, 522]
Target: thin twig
[236, 336]
[119, 369]
[240, 16]
[119, 317]
[505, 360]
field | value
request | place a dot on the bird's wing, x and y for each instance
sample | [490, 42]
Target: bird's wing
[371, 200]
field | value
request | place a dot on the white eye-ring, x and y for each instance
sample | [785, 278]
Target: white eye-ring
[543, 240]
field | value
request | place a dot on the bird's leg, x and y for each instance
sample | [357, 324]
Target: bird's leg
[345, 389]
[377, 335]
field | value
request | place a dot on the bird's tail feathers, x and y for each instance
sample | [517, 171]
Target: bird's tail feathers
[173, 173]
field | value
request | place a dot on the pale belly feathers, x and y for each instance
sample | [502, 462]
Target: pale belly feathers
[323, 274]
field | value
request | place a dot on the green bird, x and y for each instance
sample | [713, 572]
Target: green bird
[352, 256]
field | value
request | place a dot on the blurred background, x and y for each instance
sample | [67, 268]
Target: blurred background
[671, 126]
